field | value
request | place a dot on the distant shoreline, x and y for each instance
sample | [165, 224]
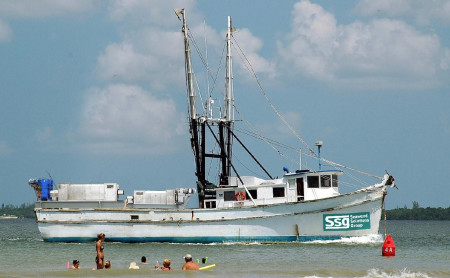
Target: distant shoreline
[418, 213]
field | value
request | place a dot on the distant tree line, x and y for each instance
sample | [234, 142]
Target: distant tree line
[415, 213]
[24, 210]
[418, 213]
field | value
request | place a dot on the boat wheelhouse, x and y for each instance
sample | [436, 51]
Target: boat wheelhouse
[302, 185]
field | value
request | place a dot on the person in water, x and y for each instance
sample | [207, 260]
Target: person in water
[144, 260]
[190, 264]
[166, 265]
[99, 260]
[76, 264]
[107, 264]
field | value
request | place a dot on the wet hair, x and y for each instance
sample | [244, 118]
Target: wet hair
[75, 262]
[143, 259]
[107, 264]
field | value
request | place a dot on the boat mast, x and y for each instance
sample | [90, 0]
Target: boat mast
[228, 102]
[189, 72]
[198, 124]
[193, 119]
[228, 75]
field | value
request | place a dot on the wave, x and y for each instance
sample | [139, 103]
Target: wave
[378, 273]
[369, 239]
[404, 273]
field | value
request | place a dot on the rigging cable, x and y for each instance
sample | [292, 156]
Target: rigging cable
[271, 104]
[250, 68]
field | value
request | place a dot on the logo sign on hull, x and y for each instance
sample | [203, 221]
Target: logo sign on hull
[346, 221]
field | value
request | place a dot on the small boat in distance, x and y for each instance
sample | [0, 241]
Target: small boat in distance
[302, 205]
[8, 216]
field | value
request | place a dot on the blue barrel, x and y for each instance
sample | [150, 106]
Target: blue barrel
[46, 187]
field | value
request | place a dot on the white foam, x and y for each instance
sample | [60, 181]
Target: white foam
[404, 273]
[369, 239]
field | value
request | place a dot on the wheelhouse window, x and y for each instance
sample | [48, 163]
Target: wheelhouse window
[313, 181]
[325, 181]
[278, 192]
[210, 204]
[228, 196]
[292, 183]
[254, 193]
[334, 181]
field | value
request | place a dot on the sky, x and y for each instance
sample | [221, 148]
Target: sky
[94, 91]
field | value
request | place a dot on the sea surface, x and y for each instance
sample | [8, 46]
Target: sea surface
[422, 250]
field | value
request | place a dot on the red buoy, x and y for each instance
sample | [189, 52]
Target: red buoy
[388, 246]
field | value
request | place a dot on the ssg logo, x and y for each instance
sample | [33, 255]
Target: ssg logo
[347, 221]
[339, 222]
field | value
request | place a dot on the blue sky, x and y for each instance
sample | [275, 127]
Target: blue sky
[93, 91]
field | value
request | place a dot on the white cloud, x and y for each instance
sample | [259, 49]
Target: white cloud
[5, 32]
[43, 8]
[151, 56]
[151, 50]
[378, 54]
[421, 11]
[250, 45]
[5, 148]
[312, 40]
[122, 119]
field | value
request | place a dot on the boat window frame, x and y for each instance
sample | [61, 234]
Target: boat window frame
[334, 180]
[292, 183]
[227, 194]
[254, 196]
[310, 182]
[278, 190]
[210, 203]
[328, 180]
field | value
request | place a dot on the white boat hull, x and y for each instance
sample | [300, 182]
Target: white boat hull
[346, 215]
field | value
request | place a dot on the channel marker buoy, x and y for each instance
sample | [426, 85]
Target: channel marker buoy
[388, 246]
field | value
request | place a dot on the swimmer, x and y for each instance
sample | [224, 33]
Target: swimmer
[166, 265]
[190, 264]
[99, 260]
[76, 264]
[144, 260]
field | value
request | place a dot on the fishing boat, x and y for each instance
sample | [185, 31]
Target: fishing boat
[301, 205]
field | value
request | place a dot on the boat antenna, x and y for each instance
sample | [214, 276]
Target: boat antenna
[300, 158]
[319, 144]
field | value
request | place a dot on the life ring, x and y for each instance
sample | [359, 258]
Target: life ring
[240, 196]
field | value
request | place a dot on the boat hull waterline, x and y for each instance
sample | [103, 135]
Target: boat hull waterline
[346, 215]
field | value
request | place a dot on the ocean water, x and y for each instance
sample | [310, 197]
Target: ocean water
[422, 250]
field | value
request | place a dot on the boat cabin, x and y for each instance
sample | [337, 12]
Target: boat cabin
[299, 186]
